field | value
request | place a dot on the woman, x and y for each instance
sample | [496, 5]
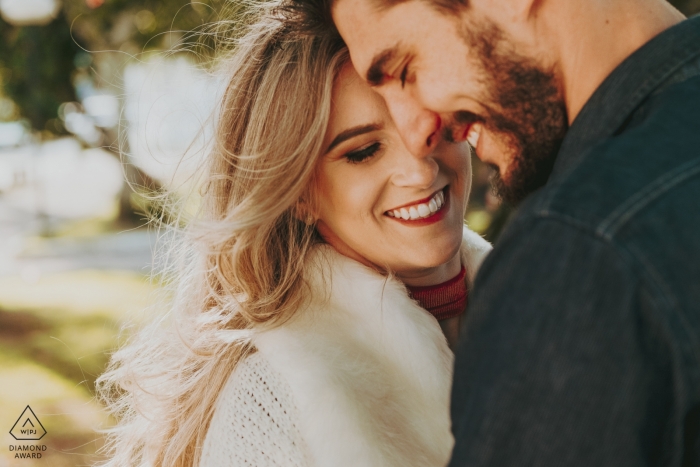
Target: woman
[293, 338]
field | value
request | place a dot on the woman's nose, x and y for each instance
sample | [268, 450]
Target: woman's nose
[418, 127]
[416, 172]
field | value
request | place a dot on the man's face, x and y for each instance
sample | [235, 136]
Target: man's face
[462, 67]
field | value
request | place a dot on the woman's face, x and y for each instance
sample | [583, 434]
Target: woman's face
[380, 204]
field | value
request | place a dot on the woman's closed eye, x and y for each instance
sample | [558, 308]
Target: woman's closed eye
[362, 154]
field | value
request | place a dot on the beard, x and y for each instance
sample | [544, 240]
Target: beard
[531, 119]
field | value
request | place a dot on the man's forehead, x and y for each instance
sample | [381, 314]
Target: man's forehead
[371, 40]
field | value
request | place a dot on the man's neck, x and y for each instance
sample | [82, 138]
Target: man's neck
[592, 41]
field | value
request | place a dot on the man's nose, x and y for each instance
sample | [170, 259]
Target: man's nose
[419, 127]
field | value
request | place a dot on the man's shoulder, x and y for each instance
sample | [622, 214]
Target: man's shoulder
[649, 170]
[632, 200]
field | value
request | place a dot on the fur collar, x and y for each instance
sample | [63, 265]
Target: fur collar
[369, 369]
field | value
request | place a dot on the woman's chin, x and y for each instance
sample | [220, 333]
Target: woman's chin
[400, 248]
[432, 248]
[416, 260]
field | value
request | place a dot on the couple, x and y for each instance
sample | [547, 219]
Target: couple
[325, 281]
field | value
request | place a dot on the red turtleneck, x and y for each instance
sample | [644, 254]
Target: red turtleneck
[445, 300]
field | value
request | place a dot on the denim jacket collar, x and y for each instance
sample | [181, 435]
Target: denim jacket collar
[624, 90]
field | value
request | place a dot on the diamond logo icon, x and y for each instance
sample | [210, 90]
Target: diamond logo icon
[28, 427]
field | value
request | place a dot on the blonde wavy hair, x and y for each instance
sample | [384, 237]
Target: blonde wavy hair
[240, 264]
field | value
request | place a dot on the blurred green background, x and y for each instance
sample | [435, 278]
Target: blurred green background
[98, 101]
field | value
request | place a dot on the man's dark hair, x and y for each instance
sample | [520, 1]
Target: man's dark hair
[312, 17]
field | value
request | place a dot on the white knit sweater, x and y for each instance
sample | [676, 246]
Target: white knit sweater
[360, 376]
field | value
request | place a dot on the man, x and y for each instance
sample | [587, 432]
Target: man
[582, 344]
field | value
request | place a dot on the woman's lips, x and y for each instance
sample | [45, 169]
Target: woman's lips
[423, 212]
[419, 201]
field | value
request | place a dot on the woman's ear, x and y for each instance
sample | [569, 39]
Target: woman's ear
[306, 209]
[305, 213]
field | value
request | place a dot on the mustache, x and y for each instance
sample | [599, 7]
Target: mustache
[459, 119]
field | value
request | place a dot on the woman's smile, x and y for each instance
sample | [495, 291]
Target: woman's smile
[422, 212]
[380, 204]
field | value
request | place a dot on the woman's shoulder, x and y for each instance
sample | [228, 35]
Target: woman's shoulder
[255, 420]
[369, 368]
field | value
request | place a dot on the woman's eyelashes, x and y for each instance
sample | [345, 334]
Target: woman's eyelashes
[404, 72]
[362, 154]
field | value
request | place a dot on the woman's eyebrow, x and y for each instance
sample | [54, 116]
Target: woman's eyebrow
[352, 132]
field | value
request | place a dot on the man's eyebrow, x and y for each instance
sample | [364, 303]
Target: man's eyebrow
[352, 132]
[375, 73]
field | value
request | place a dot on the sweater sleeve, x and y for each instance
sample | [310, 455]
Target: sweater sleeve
[254, 422]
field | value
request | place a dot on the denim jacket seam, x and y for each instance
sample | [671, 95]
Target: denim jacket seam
[654, 280]
[626, 210]
[660, 81]
[634, 259]
[690, 70]
[613, 222]
[569, 220]
[654, 84]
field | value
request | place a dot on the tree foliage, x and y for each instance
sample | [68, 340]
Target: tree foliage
[36, 64]
[39, 64]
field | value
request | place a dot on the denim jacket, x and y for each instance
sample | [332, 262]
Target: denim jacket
[582, 340]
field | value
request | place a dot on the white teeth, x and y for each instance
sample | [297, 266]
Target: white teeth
[473, 134]
[432, 205]
[420, 211]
